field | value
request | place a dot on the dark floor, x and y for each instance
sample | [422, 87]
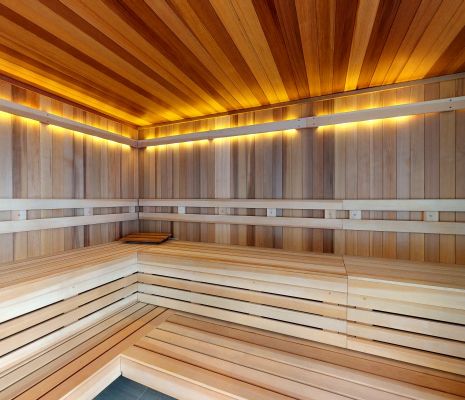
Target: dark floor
[125, 389]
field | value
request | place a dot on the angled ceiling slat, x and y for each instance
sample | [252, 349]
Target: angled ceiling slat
[152, 61]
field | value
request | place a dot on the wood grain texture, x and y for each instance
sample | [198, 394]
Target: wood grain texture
[351, 302]
[43, 161]
[157, 61]
[406, 158]
[255, 364]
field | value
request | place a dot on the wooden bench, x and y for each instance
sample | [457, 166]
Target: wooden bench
[193, 357]
[65, 319]
[413, 312]
[284, 292]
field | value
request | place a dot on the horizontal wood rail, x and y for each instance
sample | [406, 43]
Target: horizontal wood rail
[63, 222]
[54, 204]
[450, 228]
[440, 105]
[457, 205]
[51, 119]
[20, 223]
[429, 224]
[319, 223]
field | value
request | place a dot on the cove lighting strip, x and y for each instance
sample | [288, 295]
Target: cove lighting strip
[402, 110]
[51, 119]
[424, 107]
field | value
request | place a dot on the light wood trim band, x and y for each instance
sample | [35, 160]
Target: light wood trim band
[52, 204]
[317, 223]
[64, 222]
[449, 228]
[51, 119]
[452, 205]
[245, 203]
[423, 107]
[446, 228]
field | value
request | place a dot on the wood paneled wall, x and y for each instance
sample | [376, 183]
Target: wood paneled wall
[43, 161]
[405, 158]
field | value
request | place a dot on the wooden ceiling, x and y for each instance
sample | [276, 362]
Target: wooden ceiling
[150, 61]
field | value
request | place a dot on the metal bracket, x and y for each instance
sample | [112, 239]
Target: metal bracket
[431, 216]
[271, 212]
[19, 215]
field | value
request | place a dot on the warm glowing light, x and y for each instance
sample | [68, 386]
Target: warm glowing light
[192, 142]
[35, 118]
[366, 123]
[5, 116]
[26, 120]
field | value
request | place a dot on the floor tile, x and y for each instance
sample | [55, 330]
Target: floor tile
[125, 389]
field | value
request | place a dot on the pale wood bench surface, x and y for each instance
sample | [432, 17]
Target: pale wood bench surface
[56, 370]
[68, 261]
[55, 310]
[190, 357]
[421, 273]
[282, 291]
[410, 311]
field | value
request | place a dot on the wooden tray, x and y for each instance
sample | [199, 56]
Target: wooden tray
[153, 238]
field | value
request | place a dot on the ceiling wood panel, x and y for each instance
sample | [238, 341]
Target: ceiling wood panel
[151, 61]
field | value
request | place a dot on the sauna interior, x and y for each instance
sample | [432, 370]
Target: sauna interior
[232, 199]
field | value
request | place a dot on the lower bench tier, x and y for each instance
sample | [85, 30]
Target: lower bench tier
[413, 312]
[192, 357]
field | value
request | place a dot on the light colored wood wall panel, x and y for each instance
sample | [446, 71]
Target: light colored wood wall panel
[417, 157]
[44, 161]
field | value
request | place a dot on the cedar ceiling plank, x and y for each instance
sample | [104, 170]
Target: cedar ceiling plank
[404, 18]
[452, 28]
[325, 19]
[142, 17]
[206, 13]
[180, 29]
[289, 25]
[66, 78]
[366, 16]
[67, 14]
[436, 27]
[280, 25]
[385, 17]
[453, 58]
[76, 55]
[79, 108]
[242, 22]
[346, 13]
[306, 14]
[98, 14]
[421, 21]
[163, 60]
[53, 90]
[184, 24]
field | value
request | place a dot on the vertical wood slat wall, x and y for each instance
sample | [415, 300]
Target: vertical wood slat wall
[406, 158]
[42, 161]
